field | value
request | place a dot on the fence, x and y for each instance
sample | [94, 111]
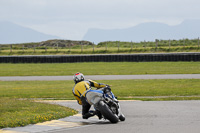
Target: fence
[101, 58]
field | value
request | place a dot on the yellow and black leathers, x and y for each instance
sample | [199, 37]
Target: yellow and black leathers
[79, 92]
[81, 88]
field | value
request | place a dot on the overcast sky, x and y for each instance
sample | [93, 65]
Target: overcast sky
[70, 19]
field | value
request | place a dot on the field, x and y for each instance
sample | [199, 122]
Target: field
[83, 47]
[100, 68]
[124, 89]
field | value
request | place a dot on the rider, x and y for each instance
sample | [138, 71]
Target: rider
[79, 91]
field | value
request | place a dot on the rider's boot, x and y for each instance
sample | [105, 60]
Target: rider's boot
[89, 114]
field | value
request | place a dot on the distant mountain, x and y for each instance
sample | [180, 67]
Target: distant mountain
[13, 33]
[146, 31]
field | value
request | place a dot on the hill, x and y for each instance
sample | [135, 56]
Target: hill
[64, 43]
[13, 33]
[146, 31]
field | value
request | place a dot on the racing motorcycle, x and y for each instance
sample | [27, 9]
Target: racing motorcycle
[104, 101]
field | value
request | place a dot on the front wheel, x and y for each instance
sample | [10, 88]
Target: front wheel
[122, 117]
[107, 113]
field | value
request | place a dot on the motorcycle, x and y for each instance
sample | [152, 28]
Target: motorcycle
[104, 101]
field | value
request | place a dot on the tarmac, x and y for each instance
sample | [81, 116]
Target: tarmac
[141, 117]
[102, 77]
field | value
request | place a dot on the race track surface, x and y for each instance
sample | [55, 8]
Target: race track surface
[141, 117]
[102, 77]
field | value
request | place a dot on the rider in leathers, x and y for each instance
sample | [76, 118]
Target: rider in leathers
[79, 91]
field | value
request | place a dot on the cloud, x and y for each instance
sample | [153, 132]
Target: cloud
[99, 9]
[72, 18]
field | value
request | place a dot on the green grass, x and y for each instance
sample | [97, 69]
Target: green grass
[99, 68]
[121, 88]
[15, 113]
[36, 89]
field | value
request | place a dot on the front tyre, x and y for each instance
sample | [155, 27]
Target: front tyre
[122, 117]
[107, 113]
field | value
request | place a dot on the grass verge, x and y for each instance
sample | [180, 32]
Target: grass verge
[23, 112]
[99, 68]
[123, 89]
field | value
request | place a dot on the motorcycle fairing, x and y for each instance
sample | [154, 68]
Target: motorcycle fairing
[94, 96]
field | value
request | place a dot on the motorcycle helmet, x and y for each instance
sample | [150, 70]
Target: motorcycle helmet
[78, 77]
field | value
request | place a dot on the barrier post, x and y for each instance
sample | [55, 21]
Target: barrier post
[70, 47]
[156, 44]
[81, 47]
[45, 48]
[131, 45]
[144, 44]
[106, 46]
[93, 47]
[169, 43]
[11, 48]
[118, 46]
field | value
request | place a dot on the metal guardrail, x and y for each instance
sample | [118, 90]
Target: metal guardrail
[101, 58]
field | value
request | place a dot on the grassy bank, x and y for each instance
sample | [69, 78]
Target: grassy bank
[99, 68]
[63, 47]
[100, 50]
[124, 89]
[23, 112]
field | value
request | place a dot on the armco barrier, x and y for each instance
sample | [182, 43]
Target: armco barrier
[102, 58]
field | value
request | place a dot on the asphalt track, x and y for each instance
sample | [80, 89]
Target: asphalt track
[102, 77]
[141, 117]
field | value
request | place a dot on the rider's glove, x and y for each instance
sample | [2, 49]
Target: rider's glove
[107, 89]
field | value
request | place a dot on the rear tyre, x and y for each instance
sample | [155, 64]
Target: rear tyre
[107, 113]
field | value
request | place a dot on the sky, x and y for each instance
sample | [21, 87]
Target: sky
[71, 19]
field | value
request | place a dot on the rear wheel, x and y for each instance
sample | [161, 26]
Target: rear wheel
[107, 113]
